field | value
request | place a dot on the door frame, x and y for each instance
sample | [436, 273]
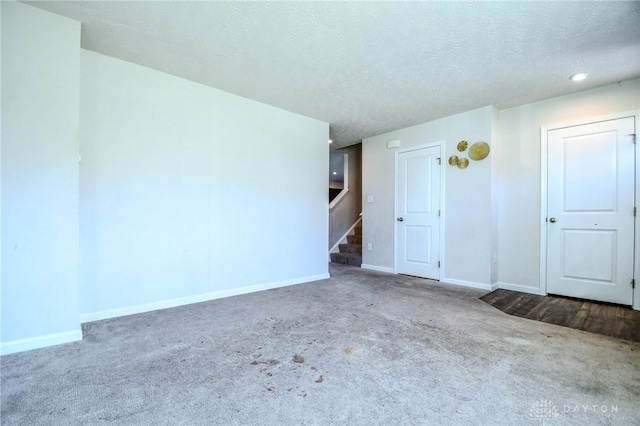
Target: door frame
[440, 145]
[544, 130]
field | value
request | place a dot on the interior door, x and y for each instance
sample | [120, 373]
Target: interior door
[590, 211]
[418, 209]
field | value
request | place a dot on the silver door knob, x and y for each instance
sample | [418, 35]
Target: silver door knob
[400, 219]
[553, 220]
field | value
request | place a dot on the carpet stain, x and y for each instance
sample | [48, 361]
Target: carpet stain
[298, 358]
[349, 350]
[267, 362]
[425, 325]
[320, 379]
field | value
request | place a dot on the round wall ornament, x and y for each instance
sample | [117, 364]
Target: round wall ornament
[463, 163]
[479, 151]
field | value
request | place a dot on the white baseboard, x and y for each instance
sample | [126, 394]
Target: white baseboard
[472, 284]
[378, 268]
[22, 345]
[172, 303]
[521, 288]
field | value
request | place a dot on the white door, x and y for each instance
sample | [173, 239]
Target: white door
[590, 211]
[418, 207]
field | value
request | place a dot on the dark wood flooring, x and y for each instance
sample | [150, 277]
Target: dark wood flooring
[594, 317]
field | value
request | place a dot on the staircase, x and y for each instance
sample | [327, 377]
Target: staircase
[350, 253]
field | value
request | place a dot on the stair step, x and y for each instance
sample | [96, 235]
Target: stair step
[347, 258]
[351, 248]
[354, 239]
[358, 230]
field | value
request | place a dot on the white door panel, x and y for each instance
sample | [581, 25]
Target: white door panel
[418, 204]
[590, 228]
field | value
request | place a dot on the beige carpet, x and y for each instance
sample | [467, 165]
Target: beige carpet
[359, 348]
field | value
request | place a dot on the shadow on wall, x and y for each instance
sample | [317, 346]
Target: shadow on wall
[338, 166]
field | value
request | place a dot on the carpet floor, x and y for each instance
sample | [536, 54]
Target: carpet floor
[359, 348]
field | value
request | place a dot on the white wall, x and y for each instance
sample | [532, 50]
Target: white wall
[40, 96]
[467, 207]
[177, 196]
[1, 119]
[495, 196]
[519, 172]
[492, 209]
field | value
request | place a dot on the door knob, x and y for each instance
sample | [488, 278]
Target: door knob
[552, 220]
[400, 219]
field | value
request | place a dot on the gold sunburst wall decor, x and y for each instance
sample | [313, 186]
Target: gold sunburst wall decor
[463, 163]
[479, 151]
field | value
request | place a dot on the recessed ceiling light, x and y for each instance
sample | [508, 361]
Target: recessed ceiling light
[335, 173]
[330, 140]
[578, 77]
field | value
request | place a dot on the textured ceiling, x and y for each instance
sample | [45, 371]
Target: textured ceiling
[371, 67]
